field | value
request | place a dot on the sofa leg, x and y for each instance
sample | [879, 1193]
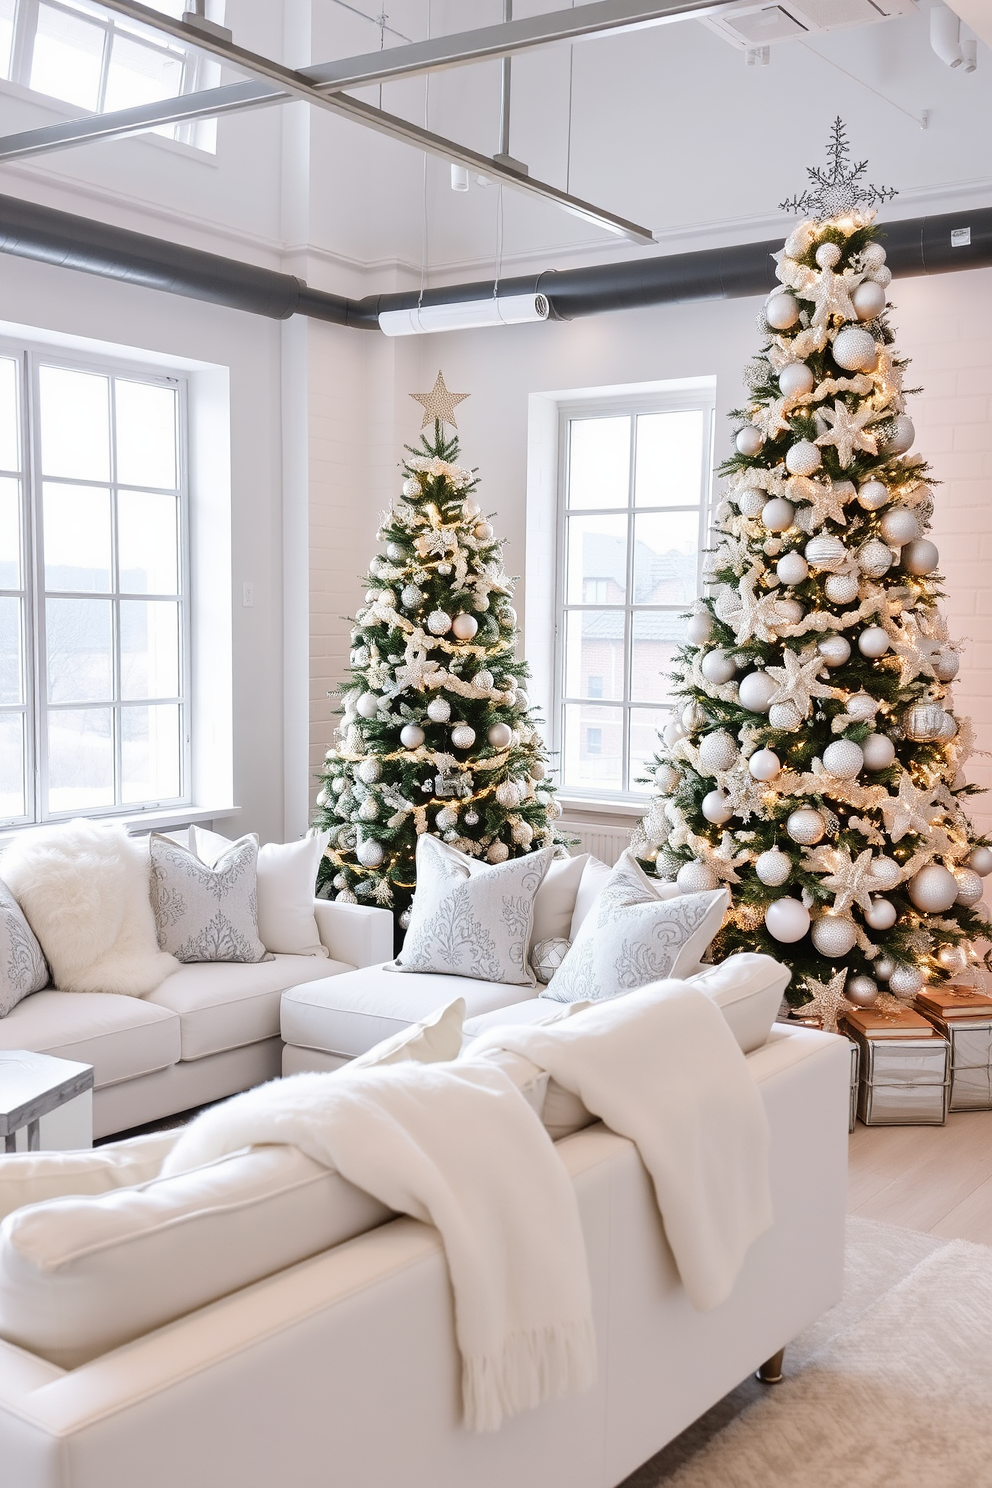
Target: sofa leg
[770, 1372]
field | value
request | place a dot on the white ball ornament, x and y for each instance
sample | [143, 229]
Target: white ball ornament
[872, 495]
[906, 981]
[835, 650]
[878, 751]
[500, 735]
[899, 526]
[508, 615]
[841, 588]
[345, 897]
[882, 915]
[411, 736]
[805, 826]
[718, 667]
[438, 623]
[411, 487]
[796, 380]
[946, 666]
[862, 706]
[693, 717]
[764, 764]
[756, 691]
[790, 612]
[718, 751]
[369, 809]
[446, 819]
[901, 435]
[825, 552]
[834, 935]
[923, 721]
[369, 771]
[749, 441]
[855, 350]
[777, 515]
[368, 704]
[520, 698]
[844, 759]
[462, 736]
[751, 503]
[497, 852]
[370, 854]
[782, 311]
[981, 861]
[394, 552]
[666, 778]
[827, 255]
[785, 716]
[673, 732]
[885, 874]
[861, 990]
[507, 794]
[439, 710]
[874, 558]
[717, 807]
[464, 626]
[883, 968]
[700, 627]
[869, 300]
[773, 867]
[873, 642]
[933, 889]
[411, 597]
[873, 257]
[696, 878]
[792, 569]
[970, 887]
[787, 920]
[483, 531]
[920, 557]
[803, 458]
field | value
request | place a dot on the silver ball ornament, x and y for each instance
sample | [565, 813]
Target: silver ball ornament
[882, 915]
[773, 867]
[777, 515]
[439, 710]
[446, 819]
[906, 981]
[861, 990]
[756, 691]
[395, 552]
[700, 627]
[666, 778]
[855, 350]
[764, 764]
[933, 889]
[411, 597]
[899, 526]
[796, 380]
[750, 503]
[873, 495]
[873, 642]
[827, 255]
[483, 531]
[784, 716]
[497, 852]
[792, 568]
[462, 736]
[970, 887]
[411, 736]
[471, 818]
[883, 967]
[790, 611]
[834, 935]
[980, 861]
[878, 751]
[946, 666]
[841, 588]
[500, 735]
[923, 721]
[716, 807]
[953, 958]
[787, 920]
[782, 311]
[874, 558]
[803, 458]
[825, 552]
[370, 854]
[868, 300]
[696, 878]
[805, 826]
[873, 257]
[885, 874]
[920, 557]
[862, 706]
[948, 729]
[438, 623]
[411, 487]
[464, 626]
[507, 794]
[844, 759]
[835, 650]
[901, 435]
[717, 751]
[717, 666]
[749, 441]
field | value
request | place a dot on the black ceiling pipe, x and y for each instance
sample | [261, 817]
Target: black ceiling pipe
[920, 245]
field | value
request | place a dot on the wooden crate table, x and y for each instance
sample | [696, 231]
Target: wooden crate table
[33, 1086]
[904, 1077]
[964, 1017]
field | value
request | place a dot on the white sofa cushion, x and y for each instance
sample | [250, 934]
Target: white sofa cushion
[748, 989]
[31, 1177]
[469, 918]
[23, 968]
[121, 1037]
[595, 877]
[554, 902]
[79, 1276]
[287, 878]
[635, 935]
[432, 1040]
[347, 1014]
[201, 913]
[226, 1005]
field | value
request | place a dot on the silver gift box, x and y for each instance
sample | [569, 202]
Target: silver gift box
[903, 1081]
[855, 1071]
[971, 1060]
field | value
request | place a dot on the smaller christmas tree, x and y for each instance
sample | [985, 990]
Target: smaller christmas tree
[436, 734]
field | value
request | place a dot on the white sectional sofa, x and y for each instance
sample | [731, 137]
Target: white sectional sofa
[342, 1369]
[210, 1029]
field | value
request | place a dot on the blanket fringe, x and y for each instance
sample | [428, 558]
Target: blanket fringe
[534, 1366]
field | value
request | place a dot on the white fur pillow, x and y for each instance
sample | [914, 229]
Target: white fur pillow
[84, 890]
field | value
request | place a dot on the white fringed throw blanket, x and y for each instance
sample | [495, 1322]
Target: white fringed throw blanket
[661, 1067]
[458, 1147]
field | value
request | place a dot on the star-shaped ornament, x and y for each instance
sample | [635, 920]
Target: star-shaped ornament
[912, 810]
[797, 681]
[439, 404]
[916, 651]
[847, 879]
[826, 498]
[848, 431]
[831, 295]
[828, 1002]
[840, 187]
[725, 861]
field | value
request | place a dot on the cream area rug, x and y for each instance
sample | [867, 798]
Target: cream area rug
[890, 1389]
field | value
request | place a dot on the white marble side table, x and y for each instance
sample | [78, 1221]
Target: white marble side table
[32, 1086]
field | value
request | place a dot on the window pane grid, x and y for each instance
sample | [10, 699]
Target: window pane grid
[630, 567]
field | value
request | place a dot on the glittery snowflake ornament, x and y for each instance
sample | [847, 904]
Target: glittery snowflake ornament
[839, 188]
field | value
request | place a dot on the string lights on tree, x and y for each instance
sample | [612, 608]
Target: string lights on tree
[816, 765]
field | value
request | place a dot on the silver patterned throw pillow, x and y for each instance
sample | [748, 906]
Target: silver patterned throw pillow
[472, 919]
[206, 914]
[632, 936]
[22, 966]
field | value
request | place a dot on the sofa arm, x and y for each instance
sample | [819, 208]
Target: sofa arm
[358, 934]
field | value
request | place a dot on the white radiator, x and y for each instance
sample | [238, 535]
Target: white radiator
[604, 841]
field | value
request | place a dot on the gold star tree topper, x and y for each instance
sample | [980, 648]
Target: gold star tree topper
[439, 404]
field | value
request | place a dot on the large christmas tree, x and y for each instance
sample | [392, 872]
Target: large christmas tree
[815, 766]
[436, 734]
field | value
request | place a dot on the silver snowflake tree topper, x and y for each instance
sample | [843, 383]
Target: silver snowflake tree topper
[839, 188]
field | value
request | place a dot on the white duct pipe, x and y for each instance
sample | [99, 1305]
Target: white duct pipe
[945, 36]
[464, 315]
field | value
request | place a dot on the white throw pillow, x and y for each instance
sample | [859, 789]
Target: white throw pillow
[22, 966]
[554, 904]
[633, 936]
[83, 887]
[287, 879]
[561, 1112]
[433, 1040]
[595, 877]
[747, 988]
[201, 913]
[472, 919]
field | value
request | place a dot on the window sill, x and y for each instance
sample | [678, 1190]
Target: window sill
[598, 806]
[137, 821]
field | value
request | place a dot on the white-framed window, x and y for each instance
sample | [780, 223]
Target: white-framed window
[94, 579]
[73, 51]
[633, 512]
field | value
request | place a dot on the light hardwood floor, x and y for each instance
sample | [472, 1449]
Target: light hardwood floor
[932, 1178]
